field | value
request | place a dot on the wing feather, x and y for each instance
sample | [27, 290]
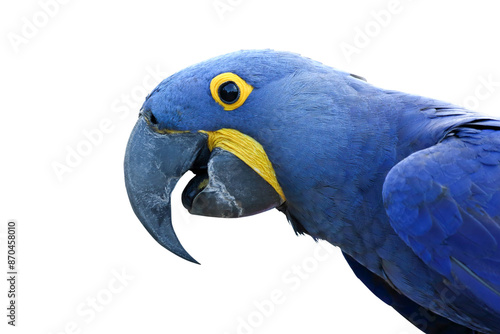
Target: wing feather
[444, 202]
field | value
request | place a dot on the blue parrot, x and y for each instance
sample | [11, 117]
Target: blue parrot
[408, 187]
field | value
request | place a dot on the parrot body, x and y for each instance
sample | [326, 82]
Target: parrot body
[408, 187]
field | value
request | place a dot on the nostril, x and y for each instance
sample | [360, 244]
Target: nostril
[153, 119]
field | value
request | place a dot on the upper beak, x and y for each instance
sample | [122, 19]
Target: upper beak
[224, 186]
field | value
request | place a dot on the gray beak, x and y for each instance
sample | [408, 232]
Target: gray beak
[224, 186]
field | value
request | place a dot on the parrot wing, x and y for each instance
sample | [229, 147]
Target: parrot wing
[444, 202]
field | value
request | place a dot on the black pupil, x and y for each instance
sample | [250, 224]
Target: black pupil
[229, 92]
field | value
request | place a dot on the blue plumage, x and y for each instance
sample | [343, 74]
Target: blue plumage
[444, 203]
[407, 186]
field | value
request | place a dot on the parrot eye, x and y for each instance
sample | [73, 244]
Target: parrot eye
[229, 90]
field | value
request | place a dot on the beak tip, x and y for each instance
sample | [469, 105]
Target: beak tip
[185, 255]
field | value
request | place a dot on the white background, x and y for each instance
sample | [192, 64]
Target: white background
[80, 66]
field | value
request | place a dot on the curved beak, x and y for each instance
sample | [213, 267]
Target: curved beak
[224, 186]
[154, 163]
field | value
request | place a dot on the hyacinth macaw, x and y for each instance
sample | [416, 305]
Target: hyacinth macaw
[407, 186]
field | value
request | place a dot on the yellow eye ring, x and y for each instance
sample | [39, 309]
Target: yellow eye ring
[235, 88]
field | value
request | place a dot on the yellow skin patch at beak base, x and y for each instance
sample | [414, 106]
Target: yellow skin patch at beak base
[248, 150]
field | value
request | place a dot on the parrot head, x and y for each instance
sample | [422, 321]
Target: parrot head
[240, 123]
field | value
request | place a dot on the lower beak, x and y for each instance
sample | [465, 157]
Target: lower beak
[224, 185]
